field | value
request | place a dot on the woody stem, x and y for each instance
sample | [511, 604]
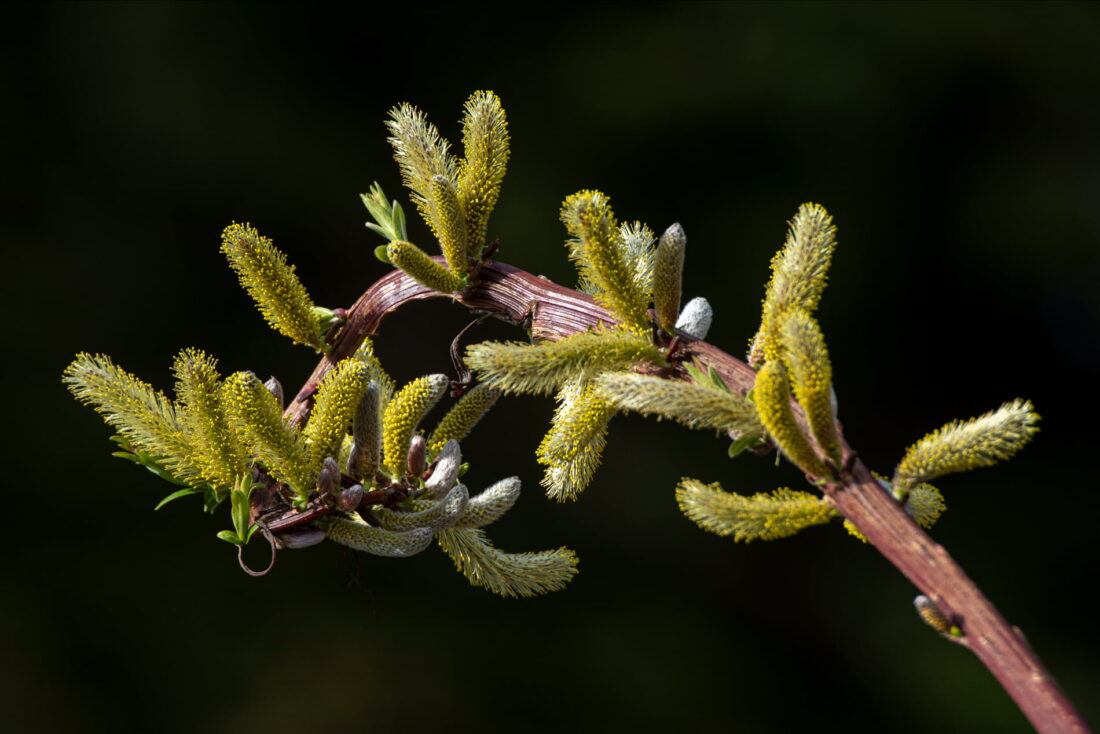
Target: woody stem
[550, 312]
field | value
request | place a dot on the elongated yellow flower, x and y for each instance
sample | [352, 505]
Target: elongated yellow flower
[811, 376]
[451, 224]
[636, 242]
[403, 414]
[423, 269]
[146, 417]
[515, 367]
[421, 153]
[272, 283]
[597, 250]
[667, 276]
[258, 420]
[799, 273]
[355, 533]
[507, 574]
[365, 355]
[215, 448]
[772, 396]
[571, 450]
[463, 416]
[335, 403]
[964, 445]
[427, 514]
[691, 404]
[485, 146]
[490, 504]
[760, 517]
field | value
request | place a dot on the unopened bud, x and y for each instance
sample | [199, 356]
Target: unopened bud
[350, 498]
[275, 388]
[328, 479]
[446, 470]
[696, 317]
[302, 537]
[417, 457]
[932, 615]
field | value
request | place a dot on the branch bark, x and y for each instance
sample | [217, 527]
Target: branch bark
[550, 311]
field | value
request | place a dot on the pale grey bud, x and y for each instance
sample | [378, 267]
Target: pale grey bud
[696, 318]
[328, 479]
[446, 470]
[350, 498]
[275, 388]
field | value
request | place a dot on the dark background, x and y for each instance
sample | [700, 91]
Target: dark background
[956, 146]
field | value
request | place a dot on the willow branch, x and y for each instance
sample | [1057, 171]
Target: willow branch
[550, 311]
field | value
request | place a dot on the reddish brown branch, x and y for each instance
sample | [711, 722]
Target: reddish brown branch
[551, 311]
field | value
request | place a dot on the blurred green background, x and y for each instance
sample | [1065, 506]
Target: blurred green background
[957, 147]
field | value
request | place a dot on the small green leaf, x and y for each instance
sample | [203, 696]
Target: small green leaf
[741, 444]
[380, 253]
[176, 495]
[229, 537]
[716, 379]
[212, 498]
[397, 217]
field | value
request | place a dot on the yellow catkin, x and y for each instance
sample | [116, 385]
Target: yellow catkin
[571, 450]
[272, 283]
[811, 376]
[485, 145]
[258, 419]
[216, 450]
[490, 504]
[335, 404]
[636, 241]
[355, 533]
[463, 416]
[799, 273]
[964, 445]
[507, 574]
[515, 367]
[691, 404]
[421, 153]
[436, 514]
[667, 276]
[144, 416]
[772, 396]
[414, 261]
[762, 516]
[365, 355]
[403, 414]
[450, 224]
[925, 503]
[588, 218]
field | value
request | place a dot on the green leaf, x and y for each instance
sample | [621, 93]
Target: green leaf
[176, 495]
[229, 537]
[397, 217]
[212, 497]
[741, 444]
